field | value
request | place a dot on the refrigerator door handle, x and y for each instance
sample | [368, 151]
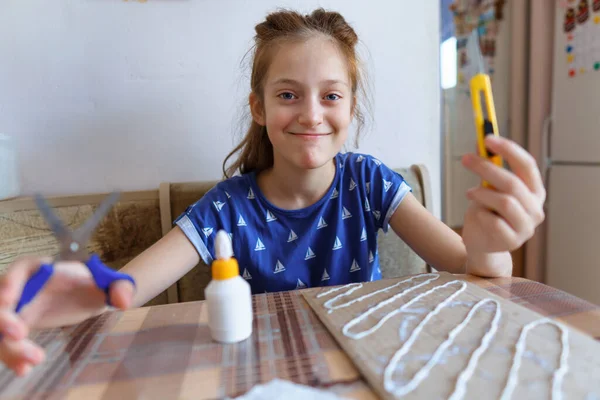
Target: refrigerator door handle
[545, 160]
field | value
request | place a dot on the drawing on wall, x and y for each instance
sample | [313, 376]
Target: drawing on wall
[581, 27]
[483, 15]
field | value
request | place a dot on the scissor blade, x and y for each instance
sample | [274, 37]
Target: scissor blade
[84, 233]
[52, 219]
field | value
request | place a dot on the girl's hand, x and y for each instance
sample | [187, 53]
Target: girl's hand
[503, 219]
[70, 296]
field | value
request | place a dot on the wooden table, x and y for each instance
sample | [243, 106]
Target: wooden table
[166, 352]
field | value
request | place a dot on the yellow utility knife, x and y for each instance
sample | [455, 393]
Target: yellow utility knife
[483, 101]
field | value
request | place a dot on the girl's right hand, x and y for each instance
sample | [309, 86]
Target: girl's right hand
[70, 296]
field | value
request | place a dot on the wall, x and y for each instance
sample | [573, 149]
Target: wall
[123, 94]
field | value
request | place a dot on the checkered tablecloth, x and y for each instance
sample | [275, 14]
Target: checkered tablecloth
[166, 351]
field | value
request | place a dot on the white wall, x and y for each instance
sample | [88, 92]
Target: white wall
[105, 94]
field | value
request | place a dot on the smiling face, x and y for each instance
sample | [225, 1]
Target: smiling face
[307, 103]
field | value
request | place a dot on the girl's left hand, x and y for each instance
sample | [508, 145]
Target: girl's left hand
[503, 219]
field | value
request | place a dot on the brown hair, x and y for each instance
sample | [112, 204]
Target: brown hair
[256, 150]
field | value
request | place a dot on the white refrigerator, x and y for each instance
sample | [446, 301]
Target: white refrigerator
[572, 242]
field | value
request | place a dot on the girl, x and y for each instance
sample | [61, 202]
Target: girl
[301, 213]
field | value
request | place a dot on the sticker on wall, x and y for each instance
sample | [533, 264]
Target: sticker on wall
[583, 11]
[581, 26]
[569, 24]
[499, 10]
[595, 41]
[483, 16]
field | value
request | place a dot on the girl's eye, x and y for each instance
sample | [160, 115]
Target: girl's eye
[287, 96]
[332, 96]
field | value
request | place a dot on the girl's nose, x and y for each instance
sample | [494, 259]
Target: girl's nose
[311, 115]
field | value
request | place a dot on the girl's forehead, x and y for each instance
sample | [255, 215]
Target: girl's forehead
[308, 62]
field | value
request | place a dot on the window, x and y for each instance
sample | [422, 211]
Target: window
[448, 63]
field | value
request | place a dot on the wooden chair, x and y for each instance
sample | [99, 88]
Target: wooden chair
[396, 258]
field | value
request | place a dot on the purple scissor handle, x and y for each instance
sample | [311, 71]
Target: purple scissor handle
[72, 248]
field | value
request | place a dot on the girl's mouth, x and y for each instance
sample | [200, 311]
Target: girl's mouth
[310, 135]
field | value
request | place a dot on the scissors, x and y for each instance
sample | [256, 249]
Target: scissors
[72, 248]
[484, 111]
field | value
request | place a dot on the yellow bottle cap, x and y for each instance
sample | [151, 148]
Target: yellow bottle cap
[225, 269]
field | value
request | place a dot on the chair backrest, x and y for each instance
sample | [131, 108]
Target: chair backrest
[131, 226]
[396, 258]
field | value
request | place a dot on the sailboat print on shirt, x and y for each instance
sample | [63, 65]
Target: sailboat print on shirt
[371, 258]
[279, 267]
[386, 185]
[337, 244]
[241, 221]
[207, 231]
[218, 205]
[352, 184]
[300, 284]
[368, 185]
[377, 214]
[259, 245]
[292, 236]
[270, 216]
[322, 223]
[335, 193]
[363, 235]
[355, 266]
[359, 159]
[345, 213]
[325, 276]
[367, 205]
[250, 194]
[246, 275]
[309, 254]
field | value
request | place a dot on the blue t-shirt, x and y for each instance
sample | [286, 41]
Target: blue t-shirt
[331, 242]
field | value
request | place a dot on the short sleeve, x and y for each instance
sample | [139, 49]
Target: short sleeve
[202, 220]
[385, 189]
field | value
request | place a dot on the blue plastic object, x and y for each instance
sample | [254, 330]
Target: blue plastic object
[103, 276]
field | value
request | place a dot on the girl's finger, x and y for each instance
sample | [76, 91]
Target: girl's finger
[11, 326]
[521, 162]
[506, 182]
[13, 281]
[121, 294]
[17, 354]
[501, 233]
[506, 207]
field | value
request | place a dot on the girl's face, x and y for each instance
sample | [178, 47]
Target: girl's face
[308, 103]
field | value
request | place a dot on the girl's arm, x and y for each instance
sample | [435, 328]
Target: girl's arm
[161, 265]
[498, 220]
[440, 246]
[71, 295]
[429, 237]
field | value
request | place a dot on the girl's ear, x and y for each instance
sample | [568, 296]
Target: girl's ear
[257, 109]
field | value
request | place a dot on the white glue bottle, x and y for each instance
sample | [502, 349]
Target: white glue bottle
[228, 296]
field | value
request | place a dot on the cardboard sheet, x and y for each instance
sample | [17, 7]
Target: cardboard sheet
[414, 326]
